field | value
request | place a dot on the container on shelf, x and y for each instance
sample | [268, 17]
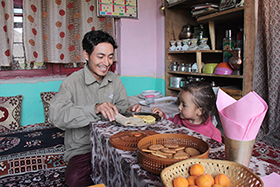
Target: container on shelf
[228, 44]
[175, 82]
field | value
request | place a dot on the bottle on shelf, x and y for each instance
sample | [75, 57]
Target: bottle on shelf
[228, 44]
[239, 39]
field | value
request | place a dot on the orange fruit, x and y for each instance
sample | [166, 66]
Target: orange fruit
[203, 181]
[216, 185]
[193, 186]
[196, 170]
[180, 182]
[191, 180]
[211, 178]
[222, 180]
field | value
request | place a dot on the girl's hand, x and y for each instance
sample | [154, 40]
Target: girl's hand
[157, 111]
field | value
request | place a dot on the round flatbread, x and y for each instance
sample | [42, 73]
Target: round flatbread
[192, 151]
[156, 147]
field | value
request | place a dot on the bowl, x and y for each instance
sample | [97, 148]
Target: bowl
[238, 174]
[222, 71]
[223, 65]
[209, 68]
[156, 164]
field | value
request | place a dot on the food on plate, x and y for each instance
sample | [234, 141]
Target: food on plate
[167, 150]
[192, 151]
[170, 150]
[181, 155]
[180, 182]
[148, 151]
[148, 119]
[156, 147]
[129, 121]
[159, 155]
[173, 146]
[168, 155]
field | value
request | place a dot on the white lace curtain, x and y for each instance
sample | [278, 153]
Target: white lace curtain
[53, 30]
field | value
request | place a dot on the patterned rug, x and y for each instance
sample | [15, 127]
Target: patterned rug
[32, 156]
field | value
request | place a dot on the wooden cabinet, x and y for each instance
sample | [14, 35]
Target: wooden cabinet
[179, 14]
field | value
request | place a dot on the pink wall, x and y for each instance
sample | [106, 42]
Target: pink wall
[141, 42]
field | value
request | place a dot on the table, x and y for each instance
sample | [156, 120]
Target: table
[115, 167]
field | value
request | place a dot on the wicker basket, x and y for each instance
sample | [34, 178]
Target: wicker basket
[155, 164]
[238, 174]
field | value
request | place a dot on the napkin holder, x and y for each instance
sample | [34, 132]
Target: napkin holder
[239, 151]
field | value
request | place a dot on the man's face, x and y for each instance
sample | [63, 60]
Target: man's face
[100, 59]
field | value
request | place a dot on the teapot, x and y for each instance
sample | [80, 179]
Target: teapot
[186, 32]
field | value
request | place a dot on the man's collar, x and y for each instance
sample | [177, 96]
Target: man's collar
[89, 78]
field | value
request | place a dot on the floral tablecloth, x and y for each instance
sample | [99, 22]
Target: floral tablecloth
[115, 167]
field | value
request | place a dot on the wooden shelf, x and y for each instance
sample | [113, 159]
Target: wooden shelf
[225, 15]
[201, 51]
[205, 74]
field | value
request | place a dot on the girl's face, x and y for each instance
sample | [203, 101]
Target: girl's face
[100, 59]
[187, 108]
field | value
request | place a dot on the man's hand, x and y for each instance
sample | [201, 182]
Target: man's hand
[108, 110]
[134, 108]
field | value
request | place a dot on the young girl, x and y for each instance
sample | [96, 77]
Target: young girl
[197, 105]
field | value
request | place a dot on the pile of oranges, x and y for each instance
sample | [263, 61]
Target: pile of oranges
[198, 178]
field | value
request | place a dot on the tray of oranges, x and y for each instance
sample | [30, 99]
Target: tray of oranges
[198, 172]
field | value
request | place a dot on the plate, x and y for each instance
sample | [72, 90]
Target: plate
[159, 101]
[158, 118]
[150, 92]
[143, 97]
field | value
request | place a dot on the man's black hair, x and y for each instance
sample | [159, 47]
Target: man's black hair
[93, 38]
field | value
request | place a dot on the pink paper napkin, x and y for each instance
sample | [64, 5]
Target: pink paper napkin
[271, 180]
[241, 120]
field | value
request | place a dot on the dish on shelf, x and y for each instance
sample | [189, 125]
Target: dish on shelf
[150, 92]
[159, 101]
[209, 68]
[157, 96]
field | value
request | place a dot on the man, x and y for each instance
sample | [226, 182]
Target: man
[90, 94]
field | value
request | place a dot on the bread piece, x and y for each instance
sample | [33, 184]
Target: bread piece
[148, 151]
[172, 146]
[156, 147]
[181, 155]
[192, 151]
[168, 155]
[179, 148]
[148, 119]
[167, 150]
[156, 154]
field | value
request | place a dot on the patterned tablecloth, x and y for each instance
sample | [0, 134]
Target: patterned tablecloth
[115, 167]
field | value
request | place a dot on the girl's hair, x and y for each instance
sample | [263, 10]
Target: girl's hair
[203, 96]
[93, 38]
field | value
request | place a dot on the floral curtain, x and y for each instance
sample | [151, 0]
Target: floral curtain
[53, 30]
[266, 80]
[6, 37]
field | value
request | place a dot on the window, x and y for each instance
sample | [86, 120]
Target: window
[19, 66]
